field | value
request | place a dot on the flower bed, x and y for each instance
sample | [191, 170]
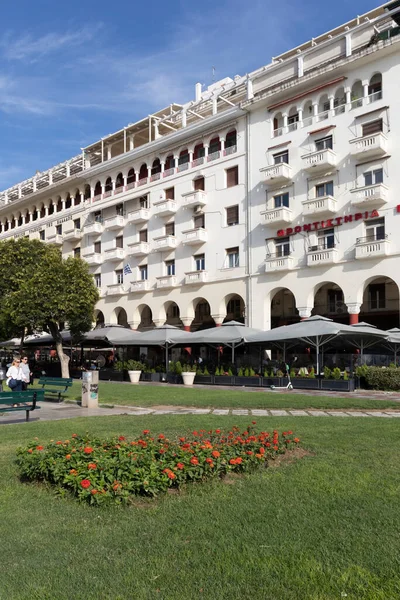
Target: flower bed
[114, 471]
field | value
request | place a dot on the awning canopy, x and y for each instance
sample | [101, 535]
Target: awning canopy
[160, 336]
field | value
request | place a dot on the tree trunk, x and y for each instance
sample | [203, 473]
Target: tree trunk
[64, 358]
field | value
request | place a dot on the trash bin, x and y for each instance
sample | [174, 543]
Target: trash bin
[90, 389]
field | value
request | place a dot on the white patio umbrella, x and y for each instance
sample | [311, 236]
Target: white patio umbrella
[231, 334]
[365, 336]
[393, 342]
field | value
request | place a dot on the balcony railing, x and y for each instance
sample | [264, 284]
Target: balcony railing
[166, 282]
[319, 160]
[117, 289]
[196, 277]
[321, 255]
[278, 215]
[56, 239]
[371, 194]
[277, 262]
[194, 237]
[279, 173]
[114, 254]
[139, 249]
[369, 146]
[94, 228]
[117, 222]
[142, 285]
[195, 197]
[72, 235]
[165, 207]
[139, 216]
[165, 242]
[371, 246]
[93, 258]
[320, 205]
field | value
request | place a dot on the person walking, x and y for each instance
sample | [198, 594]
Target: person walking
[26, 372]
[14, 376]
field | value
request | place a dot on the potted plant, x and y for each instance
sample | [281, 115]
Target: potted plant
[134, 368]
[247, 377]
[188, 374]
[203, 376]
[223, 376]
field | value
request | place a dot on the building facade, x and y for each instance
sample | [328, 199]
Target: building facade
[268, 198]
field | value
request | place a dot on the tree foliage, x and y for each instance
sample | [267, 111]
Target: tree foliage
[39, 290]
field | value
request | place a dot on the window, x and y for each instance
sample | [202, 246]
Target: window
[373, 177]
[143, 235]
[335, 301]
[282, 247]
[143, 273]
[170, 193]
[119, 241]
[377, 295]
[232, 177]
[281, 200]
[59, 229]
[77, 224]
[324, 143]
[324, 189]
[281, 157]
[232, 215]
[97, 280]
[42, 235]
[170, 267]
[372, 127]
[143, 202]
[119, 210]
[119, 275]
[293, 119]
[326, 239]
[77, 252]
[198, 183]
[97, 216]
[97, 247]
[200, 262]
[232, 255]
[234, 308]
[199, 221]
[375, 229]
[170, 229]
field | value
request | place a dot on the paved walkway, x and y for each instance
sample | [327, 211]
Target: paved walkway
[50, 411]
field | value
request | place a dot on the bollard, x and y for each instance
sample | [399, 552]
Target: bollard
[90, 389]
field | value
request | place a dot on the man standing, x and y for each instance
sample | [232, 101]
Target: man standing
[26, 372]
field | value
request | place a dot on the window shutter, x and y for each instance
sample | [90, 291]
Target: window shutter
[232, 177]
[170, 229]
[170, 193]
[199, 183]
[373, 127]
[97, 247]
[199, 221]
[232, 215]
[143, 235]
[119, 241]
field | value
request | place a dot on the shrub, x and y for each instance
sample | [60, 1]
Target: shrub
[279, 373]
[187, 368]
[240, 372]
[178, 368]
[106, 471]
[346, 376]
[119, 365]
[336, 374]
[292, 373]
[266, 373]
[379, 378]
[302, 372]
[272, 374]
[171, 366]
[199, 371]
[327, 373]
[230, 372]
[312, 373]
[135, 365]
[247, 372]
[206, 372]
[252, 372]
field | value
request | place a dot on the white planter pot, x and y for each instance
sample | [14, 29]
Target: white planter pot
[188, 377]
[134, 376]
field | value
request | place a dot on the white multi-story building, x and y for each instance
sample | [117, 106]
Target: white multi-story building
[269, 197]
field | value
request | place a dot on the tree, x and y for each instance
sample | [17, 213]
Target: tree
[48, 294]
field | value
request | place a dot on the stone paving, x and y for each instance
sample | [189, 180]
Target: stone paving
[50, 411]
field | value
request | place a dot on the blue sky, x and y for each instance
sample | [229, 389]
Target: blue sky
[72, 72]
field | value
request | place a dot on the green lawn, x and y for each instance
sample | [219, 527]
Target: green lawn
[153, 395]
[321, 528]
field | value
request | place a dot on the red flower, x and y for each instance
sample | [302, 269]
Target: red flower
[121, 438]
[239, 461]
[249, 453]
[261, 451]
[232, 461]
[58, 443]
[254, 422]
[195, 433]
[39, 447]
[88, 450]
[85, 483]
[182, 439]
[73, 472]
[92, 466]
[161, 436]
[290, 432]
[217, 431]
[171, 475]
[180, 466]
[68, 456]
[30, 451]
[215, 454]
[93, 492]
[194, 460]
[209, 461]
[74, 435]
[276, 448]
[116, 486]
[296, 440]
[146, 431]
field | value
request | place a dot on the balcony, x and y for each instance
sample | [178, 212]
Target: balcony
[277, 215]
[319, 161]
[324, 205]
[139, 249]
[319, 255]
[369, 146]
[165, 242]
[93, 258]
[371, 194]
[117, 222]
[94, 228]
[196, 277]
[194, 198]
[166, 282]
[72, 235]
[117, 289]
[280, 173]
[34, 235]
[55, 238]
[139, 286]
[164, 208]
[114, 254]
[274, 263]
[194, 237]
[371, 247]
[139, 216]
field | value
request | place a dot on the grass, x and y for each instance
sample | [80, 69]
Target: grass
[315, 529]
[155, 395]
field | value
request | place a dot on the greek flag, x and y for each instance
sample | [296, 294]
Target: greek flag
[127, 269]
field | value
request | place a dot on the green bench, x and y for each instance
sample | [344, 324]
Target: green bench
[27, 401]
[55, 385]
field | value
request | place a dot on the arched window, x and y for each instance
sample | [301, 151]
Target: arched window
[87, 192]
[108, 185]
[68, 201]
[97, 189]
[143, 172]
[77, 198]
[215, 146]
[375, 87]
[169, 162]
[131, 177]
[231, 139]
[156, 167]
[198, 151]
[119, 181]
